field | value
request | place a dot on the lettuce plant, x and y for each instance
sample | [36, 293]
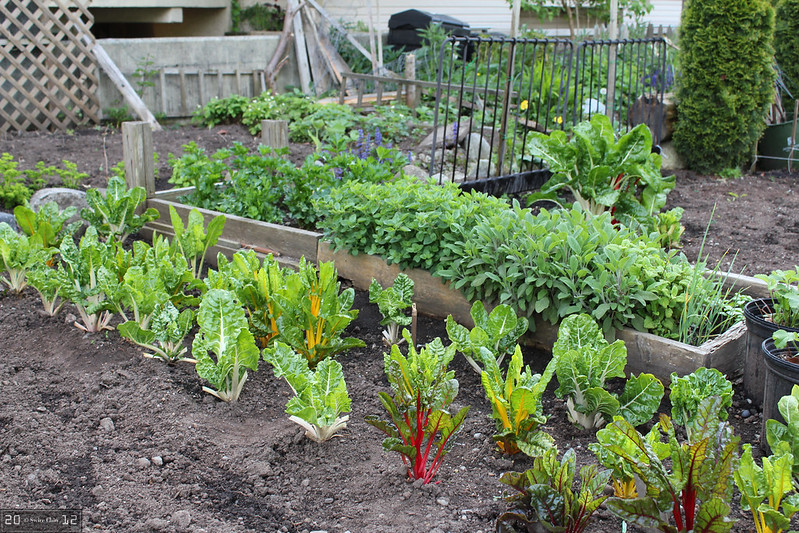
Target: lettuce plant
[46, 224]
[165, 333]
[497, 332]
[314, 312]
[516, 405]
[224, 333]
[114, 214]
[786, 436]
[546, 493]
[19, 255]
[392, 302]
[768, 491]
[584, 361]
[687, 393]
[320, 396]
[603, 173]
[193, 240]
[695, 491]
[255, 284]
[83, 268]
[420, 421]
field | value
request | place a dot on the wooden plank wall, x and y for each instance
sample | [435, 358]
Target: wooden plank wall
[48, 77]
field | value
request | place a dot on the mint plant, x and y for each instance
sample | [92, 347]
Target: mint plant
[584, 361]
[320, 396]
[493, 336]
[114, 214]
[546, 493]
[392, 303]
[696, 489]
[223, 333]
[767, 491]
[420, 421]
[164, 334]
[516, 405]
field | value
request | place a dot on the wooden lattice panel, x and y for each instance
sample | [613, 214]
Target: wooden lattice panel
[48, 75]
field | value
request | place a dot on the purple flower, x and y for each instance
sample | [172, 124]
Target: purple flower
[378, 137]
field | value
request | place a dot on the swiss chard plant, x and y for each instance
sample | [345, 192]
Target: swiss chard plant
[314, 312]
[516, 405]
[767, 491]
[224, 333]
[47, 224]
[547, 496]
[164, 335]
[420, 422]
[114, 214]
[687, 393]
[604, 173]
[48, 286]
[19, 255]
[192, 240]
[320, 396]
[695, 491]
[786, 436]
[783, 286]
[584, 361]
[496, 332]
[83, 267]
[392, 303]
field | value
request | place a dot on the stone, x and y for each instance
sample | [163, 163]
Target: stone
[477, 148]
[461, 130]
[9, 219]
[62, 196]
[106, 424]
[142, 462]
[671, 159]
[746, 413]
[182, 518]
[481, 169]
[156, 524]
[413, 171]
[442, 501]
[157, 460]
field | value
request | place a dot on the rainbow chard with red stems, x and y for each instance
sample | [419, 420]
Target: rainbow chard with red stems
[421, 425]
[697, 489]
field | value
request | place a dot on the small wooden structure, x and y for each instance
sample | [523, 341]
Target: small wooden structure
[47, 71]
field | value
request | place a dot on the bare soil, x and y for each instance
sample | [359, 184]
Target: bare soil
[86, 422]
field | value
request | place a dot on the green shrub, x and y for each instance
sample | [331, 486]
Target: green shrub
[786, 44]
[726, 81]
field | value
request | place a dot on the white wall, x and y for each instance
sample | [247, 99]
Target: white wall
[665, 12]
[479, 14]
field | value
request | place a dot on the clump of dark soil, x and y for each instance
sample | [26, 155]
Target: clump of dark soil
[86, 422]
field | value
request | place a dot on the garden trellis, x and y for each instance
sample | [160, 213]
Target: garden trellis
[48, 75]
[504, 88]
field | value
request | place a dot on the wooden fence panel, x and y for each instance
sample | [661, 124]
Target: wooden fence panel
[48, 76]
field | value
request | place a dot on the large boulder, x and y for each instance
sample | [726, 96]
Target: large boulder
[64, 198]
[9, 219]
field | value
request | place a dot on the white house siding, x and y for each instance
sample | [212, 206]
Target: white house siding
[665, 13]
[491, 15]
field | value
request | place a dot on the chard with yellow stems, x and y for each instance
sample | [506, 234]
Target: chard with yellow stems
[767, 492]
[18, 256]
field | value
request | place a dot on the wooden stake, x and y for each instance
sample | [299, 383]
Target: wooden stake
[275, 133]
[137, 153]
[413, 324]
[300, 48]
[411, 91]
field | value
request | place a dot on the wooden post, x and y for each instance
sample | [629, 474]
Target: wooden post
[411, 91]
[300, 49]
[137, 153]
[275, 133]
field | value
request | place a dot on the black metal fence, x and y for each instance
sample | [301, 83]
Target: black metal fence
[493, 91]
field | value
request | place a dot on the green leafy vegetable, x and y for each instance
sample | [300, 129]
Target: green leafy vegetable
[165, 334]
[516, 405]
[768, 491]
[224, 333]
[419, 411]
[18, 256]
[786, 436]
[114, 214]
[46, 224]
[392, 302]
[193, 240]
[320, 396]
[546, 493]
[584, 362]
[688, 392]
[497, 332]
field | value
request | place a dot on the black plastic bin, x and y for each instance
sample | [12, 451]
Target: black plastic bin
[403, 27]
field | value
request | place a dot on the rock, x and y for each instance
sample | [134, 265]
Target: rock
[9, 219]
[157, 460]
[328, 501]
[156, 524]
[481, 169]
[477, 148]
[746, 413]
[671, 159]
[62, 196]
[442, 501]
[99, 492]
[181, 518]
[142, 462]
[106, 424]
[70, 318]
[478, 435]
[413, 171]
[461, 130]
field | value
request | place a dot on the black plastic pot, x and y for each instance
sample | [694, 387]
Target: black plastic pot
[781, 376]
[758, 329]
